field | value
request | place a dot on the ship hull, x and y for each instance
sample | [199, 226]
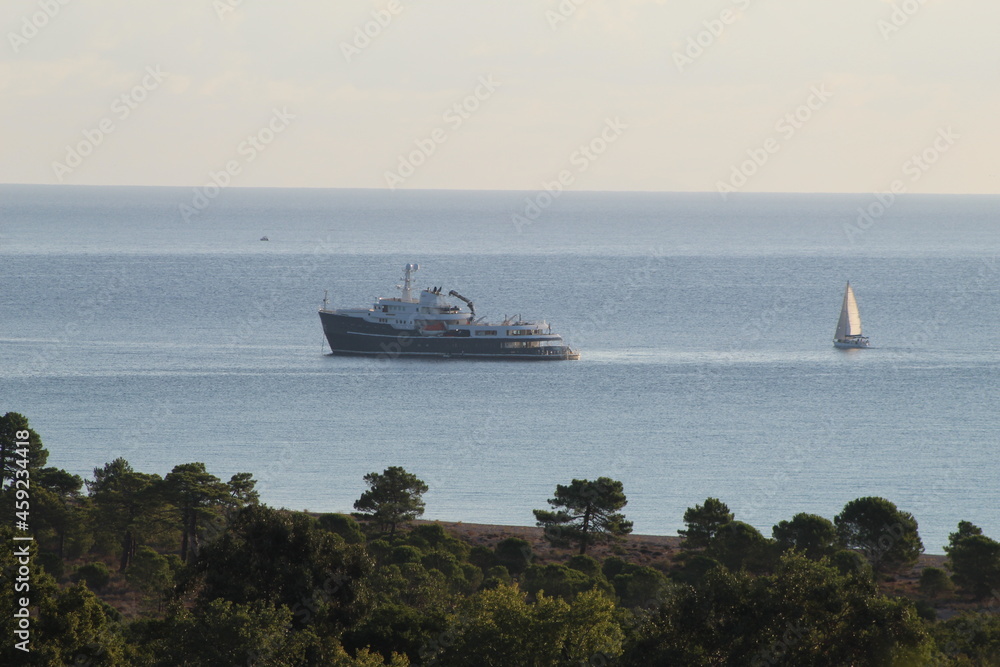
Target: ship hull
[354, 336]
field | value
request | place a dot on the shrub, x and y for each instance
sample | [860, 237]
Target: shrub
[935, 582]
[514, 554]
[95, 575]
[345, 526]
[52, 564]
[405, 554]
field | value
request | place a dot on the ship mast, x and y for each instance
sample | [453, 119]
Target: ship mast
[408, 272]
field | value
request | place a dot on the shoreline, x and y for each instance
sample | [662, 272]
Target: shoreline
[642, 546]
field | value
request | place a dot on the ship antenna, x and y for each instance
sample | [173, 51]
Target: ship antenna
[408, 272]
[326, 299]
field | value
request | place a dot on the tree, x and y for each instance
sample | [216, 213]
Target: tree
[242, 490]
[974, 560]
[965, 529]
[284, 558]
[813, 535]
[56, 504]
[68, 626]
[590, 513]
[886, 536]
[806, 613]
[151, 573]
[703, 522]
[14, 429]
[935, 582]
[499, 627]
[127, 504]
[197, 494]
[739, 545]
[514, 554]
[342, 525]
[393, 498]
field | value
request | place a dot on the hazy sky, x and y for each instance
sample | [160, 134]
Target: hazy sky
[753, 95]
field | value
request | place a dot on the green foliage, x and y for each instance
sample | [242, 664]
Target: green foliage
[482, 557]
[198, 496]
[613, 565]
[95, 575]
[852, 563]
[806, 613]
[283, 558]
[514, 554]
[394, 628]
[640, 586]
[242, 490]
[589, 513]
[561, 581]
[127, 506]
[975, 561]
[500, 628]
[404, 554]
[739, 545]
[393, 497]
[342, 525]
[496, 576]
[703, 522]
[52, 564]
[74, 627]
[971, 639]
[412, 584]
[691, 567]
[443, 562]
[279, 588]
[221, 632]
[935, 582]
[588, 565]
[886, 536]
[150, 572]
[434, 536]
[813, 535]
[58, 512]
[13, 427]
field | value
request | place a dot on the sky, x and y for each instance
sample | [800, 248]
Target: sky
[651, 95]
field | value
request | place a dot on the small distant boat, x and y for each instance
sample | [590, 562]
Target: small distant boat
[849, 326]
[264, 238]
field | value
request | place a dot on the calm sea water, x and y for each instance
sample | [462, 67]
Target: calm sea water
[705, 327]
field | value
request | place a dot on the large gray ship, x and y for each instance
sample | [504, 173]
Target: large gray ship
[433, 324]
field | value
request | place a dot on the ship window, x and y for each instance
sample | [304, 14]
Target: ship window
[486, 332]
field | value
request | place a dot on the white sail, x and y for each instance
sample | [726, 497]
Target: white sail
[850, 319]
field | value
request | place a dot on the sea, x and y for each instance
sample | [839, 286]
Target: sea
[155, 324]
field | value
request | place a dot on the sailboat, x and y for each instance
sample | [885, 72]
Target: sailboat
[849, 326]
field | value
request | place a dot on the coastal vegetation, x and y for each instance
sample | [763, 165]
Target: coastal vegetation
[131, 568]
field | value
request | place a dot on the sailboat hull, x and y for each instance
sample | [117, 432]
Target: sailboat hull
[849, 344]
